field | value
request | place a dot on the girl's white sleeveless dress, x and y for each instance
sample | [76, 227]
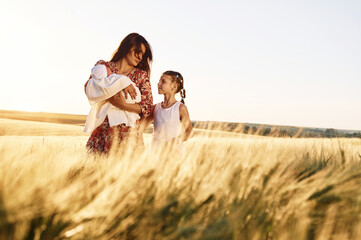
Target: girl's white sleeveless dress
[167, 126]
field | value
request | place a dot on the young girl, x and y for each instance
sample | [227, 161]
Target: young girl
[172, 125]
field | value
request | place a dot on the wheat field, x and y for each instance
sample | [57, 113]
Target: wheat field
[225, 186]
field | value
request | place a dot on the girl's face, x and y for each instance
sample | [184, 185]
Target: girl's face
[134, 57]
[166, 85]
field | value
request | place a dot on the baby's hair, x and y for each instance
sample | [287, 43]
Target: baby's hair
[178, 78]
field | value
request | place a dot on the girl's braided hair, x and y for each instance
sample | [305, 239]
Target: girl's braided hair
[178, 78]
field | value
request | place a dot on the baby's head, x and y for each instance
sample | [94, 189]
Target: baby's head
[177, 79]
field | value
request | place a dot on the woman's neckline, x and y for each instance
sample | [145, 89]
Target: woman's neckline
[131, 71]
[118, 70]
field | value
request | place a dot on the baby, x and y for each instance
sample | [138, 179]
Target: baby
[102, 86]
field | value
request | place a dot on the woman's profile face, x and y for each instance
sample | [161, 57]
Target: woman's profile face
[135, 56]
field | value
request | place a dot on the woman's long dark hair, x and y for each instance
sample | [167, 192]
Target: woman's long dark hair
[134, 40]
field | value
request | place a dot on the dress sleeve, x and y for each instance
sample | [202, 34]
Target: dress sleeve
[146, 95]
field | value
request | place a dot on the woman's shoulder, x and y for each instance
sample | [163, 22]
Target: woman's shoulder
[106, 63]
[101, 62]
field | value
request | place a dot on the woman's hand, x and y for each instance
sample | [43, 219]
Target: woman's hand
[118, 100]
[131, 91]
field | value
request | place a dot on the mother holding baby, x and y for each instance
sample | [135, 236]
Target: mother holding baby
[133, 59]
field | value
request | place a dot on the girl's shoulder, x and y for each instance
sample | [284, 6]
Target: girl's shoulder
[157, 105]
[182, 108]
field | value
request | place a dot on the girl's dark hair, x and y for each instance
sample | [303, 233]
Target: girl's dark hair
[178, 78]
[134, 40]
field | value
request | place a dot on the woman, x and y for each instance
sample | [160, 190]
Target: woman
[133, 59]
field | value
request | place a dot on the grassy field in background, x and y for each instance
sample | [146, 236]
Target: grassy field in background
[226, 186]
[246, 128]
[44, 117]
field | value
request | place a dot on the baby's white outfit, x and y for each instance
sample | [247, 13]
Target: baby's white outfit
[98, 90]
[167, 126]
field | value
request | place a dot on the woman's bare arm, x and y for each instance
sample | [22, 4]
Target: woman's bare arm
[147, 121]
[118, 101]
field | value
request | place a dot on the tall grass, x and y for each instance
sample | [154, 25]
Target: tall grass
[222, 187]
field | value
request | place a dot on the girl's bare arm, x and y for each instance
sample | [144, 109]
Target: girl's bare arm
[186, 123]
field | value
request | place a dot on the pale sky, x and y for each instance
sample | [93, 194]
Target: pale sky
[272, 62]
